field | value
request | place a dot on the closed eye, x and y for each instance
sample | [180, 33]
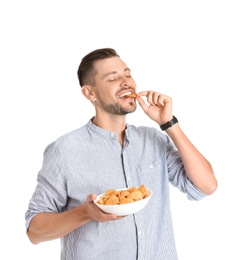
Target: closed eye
[112, 79]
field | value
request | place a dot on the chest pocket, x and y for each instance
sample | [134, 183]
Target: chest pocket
[150, 172]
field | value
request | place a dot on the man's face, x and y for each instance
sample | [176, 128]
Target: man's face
[113, 81]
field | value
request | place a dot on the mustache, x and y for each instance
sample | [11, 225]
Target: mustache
[125, 88]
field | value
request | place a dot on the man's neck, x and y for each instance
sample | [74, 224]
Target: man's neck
[112, 123]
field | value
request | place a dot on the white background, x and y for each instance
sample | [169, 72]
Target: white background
[198, 52]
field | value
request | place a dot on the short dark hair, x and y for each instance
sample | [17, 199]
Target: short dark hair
[86, 71]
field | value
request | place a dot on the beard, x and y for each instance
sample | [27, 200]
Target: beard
[116, 109]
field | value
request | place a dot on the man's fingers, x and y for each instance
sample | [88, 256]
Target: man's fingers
[142, 93]
[142, 103]
[154, 98]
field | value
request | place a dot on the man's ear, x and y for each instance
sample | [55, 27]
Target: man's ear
[88, 92]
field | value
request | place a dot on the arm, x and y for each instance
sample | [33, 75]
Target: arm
[50, 225]
[197, 167]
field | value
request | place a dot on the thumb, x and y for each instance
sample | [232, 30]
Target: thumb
[142, 103]
[91, 197]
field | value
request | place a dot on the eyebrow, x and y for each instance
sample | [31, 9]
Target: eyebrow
[114, 72]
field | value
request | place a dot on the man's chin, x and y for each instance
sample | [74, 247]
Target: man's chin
[125, 112]
[128, 111]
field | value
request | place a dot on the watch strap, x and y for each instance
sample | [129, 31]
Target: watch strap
[168, 124]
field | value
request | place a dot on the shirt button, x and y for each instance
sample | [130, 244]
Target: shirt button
[139, 232]
[128, 178]
[151, 166]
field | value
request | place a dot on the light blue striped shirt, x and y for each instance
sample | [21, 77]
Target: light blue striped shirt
[91, 160]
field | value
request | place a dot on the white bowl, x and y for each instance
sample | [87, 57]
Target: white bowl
[124, 209]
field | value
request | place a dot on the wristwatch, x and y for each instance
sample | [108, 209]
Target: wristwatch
[168, 124]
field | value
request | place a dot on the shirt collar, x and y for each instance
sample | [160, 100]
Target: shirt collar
[106, 133]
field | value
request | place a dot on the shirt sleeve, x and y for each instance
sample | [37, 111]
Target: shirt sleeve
[50, 192]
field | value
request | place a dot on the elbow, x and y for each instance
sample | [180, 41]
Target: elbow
[32, 237]
[211, 187]
[33, 242]
[210, 182]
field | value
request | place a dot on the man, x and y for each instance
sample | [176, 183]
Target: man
[108, 153]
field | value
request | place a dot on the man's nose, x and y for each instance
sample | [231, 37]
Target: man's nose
[125, 83]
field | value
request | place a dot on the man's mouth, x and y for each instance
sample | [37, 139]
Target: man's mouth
[126, 94]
